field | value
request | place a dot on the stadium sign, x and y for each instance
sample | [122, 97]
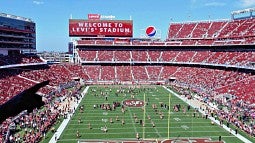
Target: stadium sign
[96, 28]
[93, 16]
[133, 103]
[107, 16]
[98, 17]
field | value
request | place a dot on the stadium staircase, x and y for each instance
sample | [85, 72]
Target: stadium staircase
[182, 25]
[100, 73]
[191, 33]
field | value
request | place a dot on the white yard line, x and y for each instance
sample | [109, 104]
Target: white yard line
[242, 138]
[155, 128]
[133, 123]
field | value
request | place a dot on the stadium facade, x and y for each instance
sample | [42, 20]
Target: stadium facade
[17, 33]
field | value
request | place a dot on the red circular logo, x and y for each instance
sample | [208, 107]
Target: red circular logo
[151, 31]
[133, 103]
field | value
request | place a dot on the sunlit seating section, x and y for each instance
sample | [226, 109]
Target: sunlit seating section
[140, 73]
[92, 71]
[169, 55]
[122, 55]
[201, 29]
[107, 73]
[87, 55]
[139, 55]
[154, 55]
[185, 56]
[105, 55]
[123, 73]
[153, 72]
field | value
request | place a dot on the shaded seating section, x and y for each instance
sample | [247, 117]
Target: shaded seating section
[14, 81]
[11, 84]
[57, 74]
[33, 126]
[19, 59]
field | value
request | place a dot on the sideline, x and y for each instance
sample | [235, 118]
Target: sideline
[242, 138]
[63, 125]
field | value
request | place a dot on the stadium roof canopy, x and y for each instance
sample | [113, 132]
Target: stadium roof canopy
[15, 17]
[243, 11]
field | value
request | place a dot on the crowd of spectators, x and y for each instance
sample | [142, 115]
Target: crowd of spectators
[239, 113]
[32, 127]
[209, 83]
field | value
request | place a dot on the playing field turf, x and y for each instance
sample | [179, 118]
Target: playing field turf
[181, 125]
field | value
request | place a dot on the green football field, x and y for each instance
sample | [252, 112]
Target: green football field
[138, 118]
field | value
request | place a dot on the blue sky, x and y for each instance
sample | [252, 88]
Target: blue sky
[51, 16]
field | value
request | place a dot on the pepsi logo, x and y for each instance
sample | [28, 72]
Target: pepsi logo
[133, 103]
[151, 31]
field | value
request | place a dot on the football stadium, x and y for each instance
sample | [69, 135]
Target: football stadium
[194, 86]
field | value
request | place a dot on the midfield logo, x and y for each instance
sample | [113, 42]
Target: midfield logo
[133, 103]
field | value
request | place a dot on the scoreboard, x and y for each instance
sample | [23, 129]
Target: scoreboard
[100, 28]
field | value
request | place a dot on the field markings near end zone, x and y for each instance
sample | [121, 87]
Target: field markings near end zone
[177, 119]
[185, 127]
[156, 130]
[239, 136]
[133, 123]
[117, 128]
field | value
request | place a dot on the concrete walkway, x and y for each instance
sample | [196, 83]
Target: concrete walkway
[196, 104]
[65, 121]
